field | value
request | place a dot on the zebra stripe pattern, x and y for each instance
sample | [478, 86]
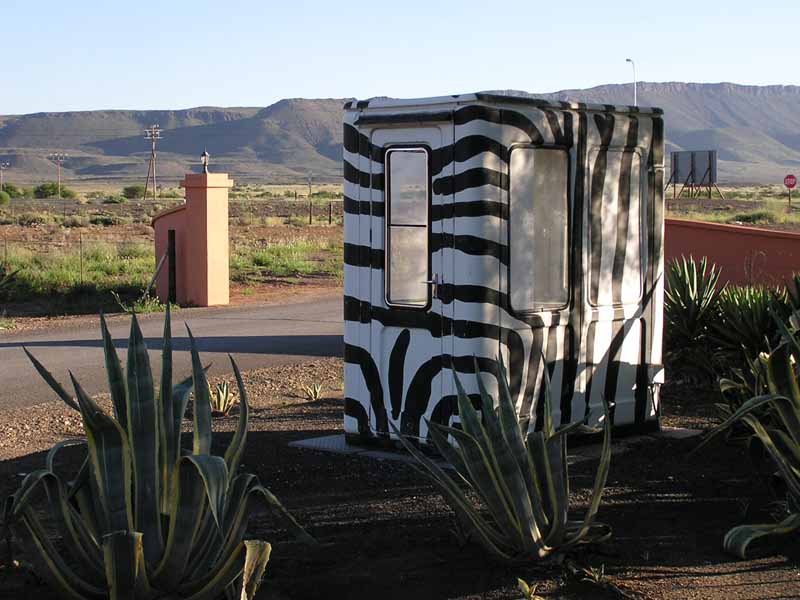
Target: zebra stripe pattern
[605, 345]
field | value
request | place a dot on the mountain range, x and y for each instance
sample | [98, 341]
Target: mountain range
[756, 130]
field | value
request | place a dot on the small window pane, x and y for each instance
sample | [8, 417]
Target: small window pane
[538, 228]
[408, 266]
[408, 186]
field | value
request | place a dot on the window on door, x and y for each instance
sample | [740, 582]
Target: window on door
[616, 251]
[407, 192]
[538, 229]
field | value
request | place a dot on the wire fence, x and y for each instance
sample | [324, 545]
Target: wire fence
[79, 256]
[242, 210]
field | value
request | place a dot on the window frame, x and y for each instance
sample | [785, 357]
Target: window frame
[387, 233]
[568, 238]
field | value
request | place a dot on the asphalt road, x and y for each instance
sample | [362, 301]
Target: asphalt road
[257, 336]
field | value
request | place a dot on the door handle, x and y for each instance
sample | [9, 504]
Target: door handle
[435, 283]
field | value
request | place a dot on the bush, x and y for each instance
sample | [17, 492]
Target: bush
[74, 221]
[115, 200]
[5, 198]
[28, 219]
[134, 250]
[133, 192]
[107, 220]
[49, 189]
[12, 190]
[144, 518]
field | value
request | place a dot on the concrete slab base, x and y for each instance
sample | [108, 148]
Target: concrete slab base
[336, 444]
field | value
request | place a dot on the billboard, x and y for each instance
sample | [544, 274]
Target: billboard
[694, 167]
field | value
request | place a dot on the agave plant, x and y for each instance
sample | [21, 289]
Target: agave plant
[773, 419]
[312, 392]
[144, 518]
[222, 399]
[520, 477]
[690, 298]
[745, 326]
[690, 306]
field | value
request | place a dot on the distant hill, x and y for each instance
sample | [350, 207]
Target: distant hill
[756, 130]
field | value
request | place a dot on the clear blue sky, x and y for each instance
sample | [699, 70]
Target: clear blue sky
[90, 54]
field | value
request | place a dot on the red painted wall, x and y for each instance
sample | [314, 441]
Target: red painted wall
[746, 255]
[174, 218]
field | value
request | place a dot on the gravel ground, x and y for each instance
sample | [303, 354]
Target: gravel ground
[384, 532]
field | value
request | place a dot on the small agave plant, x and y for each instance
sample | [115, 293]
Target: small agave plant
[222, 399]
[520, 477]
[144, 518]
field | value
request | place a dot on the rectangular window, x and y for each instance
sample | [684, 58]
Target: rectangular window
[615, 227]
[407, 191]
[538, 210]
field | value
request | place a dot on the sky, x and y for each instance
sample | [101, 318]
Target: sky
[169, 54]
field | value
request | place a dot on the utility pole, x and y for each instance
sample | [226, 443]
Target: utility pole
[59, 158]
[153, 133]
[3, 167]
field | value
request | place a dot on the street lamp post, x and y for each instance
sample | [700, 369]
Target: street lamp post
[633, 64]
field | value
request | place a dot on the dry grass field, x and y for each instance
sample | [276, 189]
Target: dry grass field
[96, 252]
[764, 206]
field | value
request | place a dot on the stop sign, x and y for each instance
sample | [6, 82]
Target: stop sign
[790, 181]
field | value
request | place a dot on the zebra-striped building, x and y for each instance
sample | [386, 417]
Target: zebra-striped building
[481, 224]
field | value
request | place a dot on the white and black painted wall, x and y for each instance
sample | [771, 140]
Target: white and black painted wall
[483, 225]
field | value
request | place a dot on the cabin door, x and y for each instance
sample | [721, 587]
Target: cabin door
[409, 330]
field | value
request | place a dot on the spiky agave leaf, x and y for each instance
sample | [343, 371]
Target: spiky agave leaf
[774, 420]
[522, 480]
[101, 514]
[143, 433]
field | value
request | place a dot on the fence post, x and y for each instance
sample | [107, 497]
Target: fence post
[309, 211]
[330, 213]
[80, 251]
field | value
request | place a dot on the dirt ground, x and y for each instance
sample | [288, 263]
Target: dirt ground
[386, 533]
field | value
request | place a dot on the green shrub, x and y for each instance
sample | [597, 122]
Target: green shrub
[28, 219]
[12, 190]
[115, 200]
[133, 192]
[49, 189]
[757, 217]
[74, 221]
[5, 198]
[144, 518]
[134, 250]
[170, 193]
[520, 476]
[107, 220]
